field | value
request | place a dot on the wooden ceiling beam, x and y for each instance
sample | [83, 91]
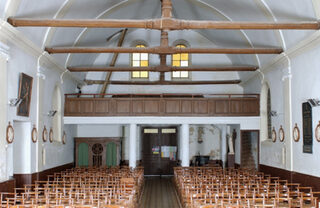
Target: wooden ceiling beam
[164, 69]
[217, 82]
[113, 63]
[164, 50]
[163, 24]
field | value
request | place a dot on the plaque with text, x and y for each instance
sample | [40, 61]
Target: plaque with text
[307, 127]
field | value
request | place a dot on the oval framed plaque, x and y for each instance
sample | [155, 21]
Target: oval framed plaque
[64, 137]
[281, 134]
[296, 133]
[318, 132]
[10, 133]
[274, 135]
[45, 134]
[34, 134]
[51, 135]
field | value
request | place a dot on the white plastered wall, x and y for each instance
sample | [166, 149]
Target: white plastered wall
[292, 80]
[3, 115]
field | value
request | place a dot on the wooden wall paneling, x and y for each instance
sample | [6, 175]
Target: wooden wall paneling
[137, 107]
[211, 107]
[8, 186]
[172, 106]
[123, 106]
[72, 106]
[86, 106]
[236, 106]
[101, 106]
[22, 179]
[152, 106]
[200, 106]
[250, 106]
[186, 106]
[222, 106]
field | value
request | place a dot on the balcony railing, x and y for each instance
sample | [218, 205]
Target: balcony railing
[162, 105]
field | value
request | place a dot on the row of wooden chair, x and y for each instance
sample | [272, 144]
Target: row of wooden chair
[209, 187]
[81, 187]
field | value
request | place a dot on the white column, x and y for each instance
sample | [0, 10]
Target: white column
[133, 146]
[4, 56]
[224, 147]
[185, 145]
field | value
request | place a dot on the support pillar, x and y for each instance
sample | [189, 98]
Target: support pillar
[185, 145]
[133, 146]
[4, 57]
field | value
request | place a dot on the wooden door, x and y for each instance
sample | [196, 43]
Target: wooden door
[111, 159]
[151, 151]
[83, 155]
[158, 145]
[250, 149]
[168, 139]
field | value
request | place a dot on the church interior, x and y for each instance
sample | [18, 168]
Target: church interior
[159, 103]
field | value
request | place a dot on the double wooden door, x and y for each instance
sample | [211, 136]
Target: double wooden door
[159, 150]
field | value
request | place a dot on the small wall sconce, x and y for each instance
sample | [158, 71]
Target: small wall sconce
[274, 113]
[15, 102]
[314, 102]
[52, 113]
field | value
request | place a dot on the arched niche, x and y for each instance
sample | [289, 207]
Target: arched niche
[265, 112]
[57, 106]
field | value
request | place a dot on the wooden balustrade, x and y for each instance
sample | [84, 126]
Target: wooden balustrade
[162, 105]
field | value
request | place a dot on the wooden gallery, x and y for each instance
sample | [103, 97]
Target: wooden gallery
[159, 103]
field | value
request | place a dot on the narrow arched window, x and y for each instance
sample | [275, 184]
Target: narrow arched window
[180, 60]
[140, 60]
[269, 114]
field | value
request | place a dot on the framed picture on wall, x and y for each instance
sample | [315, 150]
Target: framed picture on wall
[25, 90]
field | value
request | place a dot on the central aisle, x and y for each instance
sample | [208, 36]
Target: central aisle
[159, 192]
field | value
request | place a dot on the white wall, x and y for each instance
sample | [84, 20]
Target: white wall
[305, 85]
[291, 84]
[3, 114]
[211, 142]
[23, 157]
[42, 91]
[99, 131]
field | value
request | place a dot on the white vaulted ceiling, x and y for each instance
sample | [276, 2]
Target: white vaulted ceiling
[219, 10]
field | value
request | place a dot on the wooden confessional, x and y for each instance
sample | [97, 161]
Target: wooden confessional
[97, 152]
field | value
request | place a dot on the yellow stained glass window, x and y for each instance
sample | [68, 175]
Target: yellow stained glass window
[140, 60]
[180, 60]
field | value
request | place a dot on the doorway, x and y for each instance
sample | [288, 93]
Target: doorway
[250, 149]
[159, 150]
